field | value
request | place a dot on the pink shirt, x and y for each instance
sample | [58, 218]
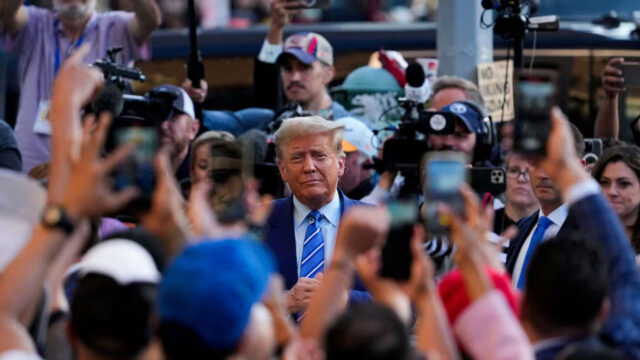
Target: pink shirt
[36, 45]
[488, 329]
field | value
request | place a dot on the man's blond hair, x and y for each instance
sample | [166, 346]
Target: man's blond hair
[305, 126]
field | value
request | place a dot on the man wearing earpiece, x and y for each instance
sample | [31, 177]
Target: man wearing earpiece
[473, 134]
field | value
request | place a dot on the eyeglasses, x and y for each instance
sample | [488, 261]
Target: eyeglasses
[514, 173]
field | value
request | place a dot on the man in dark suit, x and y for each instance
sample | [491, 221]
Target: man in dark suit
[553, 218]
[582, 286]
[302, 228]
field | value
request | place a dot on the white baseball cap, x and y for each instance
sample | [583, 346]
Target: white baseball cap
[122, 260]
[358, 137]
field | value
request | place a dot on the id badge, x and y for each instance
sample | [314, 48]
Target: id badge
[42, 125]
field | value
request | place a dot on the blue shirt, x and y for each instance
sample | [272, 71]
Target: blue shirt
[328, 226]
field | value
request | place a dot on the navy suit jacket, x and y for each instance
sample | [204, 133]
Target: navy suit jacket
[280, 237]
[621, 328]
[525, 227]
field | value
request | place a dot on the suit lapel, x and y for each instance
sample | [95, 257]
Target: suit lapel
[283, 241]
[570, 225]
[525, 226]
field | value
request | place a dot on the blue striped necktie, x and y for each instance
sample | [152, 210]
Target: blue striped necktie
[538, 234]
[312, 261]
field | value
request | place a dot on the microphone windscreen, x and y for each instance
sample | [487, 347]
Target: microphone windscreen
[415, 75]
[110, 100]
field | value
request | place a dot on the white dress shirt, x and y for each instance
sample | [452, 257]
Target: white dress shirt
[269, 52]
[328, 226]
[557, 217]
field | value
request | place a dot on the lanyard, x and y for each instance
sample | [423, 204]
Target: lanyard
[58, 61]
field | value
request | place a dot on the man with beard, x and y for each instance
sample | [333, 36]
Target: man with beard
[44, 39]
[290, 80]
[303, 66]
[446, 91]
[179, 129]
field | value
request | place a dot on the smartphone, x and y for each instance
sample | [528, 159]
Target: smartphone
[535, 95]
[311, 4]
[396, 253]
[231, 168]
[445, 173]
[631, 74]
[485, 180]
[592, 150]
[137, 170]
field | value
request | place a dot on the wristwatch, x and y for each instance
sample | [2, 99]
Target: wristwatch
[55, 218]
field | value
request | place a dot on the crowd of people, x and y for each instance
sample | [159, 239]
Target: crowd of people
[267, 233]
[244, 13]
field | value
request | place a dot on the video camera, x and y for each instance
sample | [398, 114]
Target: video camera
[404, 151]
[136, 119]
[515, 18]
[128, 109]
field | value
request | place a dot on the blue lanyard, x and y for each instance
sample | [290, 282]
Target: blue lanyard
[58, 61]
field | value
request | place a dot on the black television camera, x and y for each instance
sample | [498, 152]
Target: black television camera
[128, 109]
[136, 119]
[116, 78]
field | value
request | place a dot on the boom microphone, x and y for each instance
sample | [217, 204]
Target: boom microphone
[417, 89]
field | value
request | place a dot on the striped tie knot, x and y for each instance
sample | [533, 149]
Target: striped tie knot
[314, 216]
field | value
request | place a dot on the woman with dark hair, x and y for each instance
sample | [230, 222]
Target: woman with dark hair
[618, 172]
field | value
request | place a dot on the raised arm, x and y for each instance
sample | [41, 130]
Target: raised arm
[281, 13]
[487, 328]
[622, 325]
[147, 18]
[361, 229]
[607, 121]
[84, 192]
[13, 16]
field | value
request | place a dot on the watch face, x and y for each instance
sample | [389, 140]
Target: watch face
[52, 215]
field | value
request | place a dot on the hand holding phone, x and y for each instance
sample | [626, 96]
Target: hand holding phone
[138, 169]
[396, 253]
[485, 180]
[534, 98]
[631, 74]
[612, 81]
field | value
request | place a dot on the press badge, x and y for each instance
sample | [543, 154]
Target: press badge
[42, 125]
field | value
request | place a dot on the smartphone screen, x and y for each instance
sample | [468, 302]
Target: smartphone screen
[445, 173]
[231, 168]
[631, 74]
[138, 169]
[396, 253]
[534, 98]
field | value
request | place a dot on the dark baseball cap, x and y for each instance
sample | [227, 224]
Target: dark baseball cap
[467, 114]
[182, 103]
[308, 47]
